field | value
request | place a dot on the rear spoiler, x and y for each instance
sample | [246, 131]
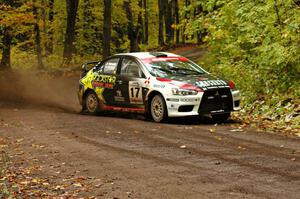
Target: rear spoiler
[88, 65]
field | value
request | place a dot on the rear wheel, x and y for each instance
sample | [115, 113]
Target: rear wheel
[219, 118]
[92, 104]
[158, 109]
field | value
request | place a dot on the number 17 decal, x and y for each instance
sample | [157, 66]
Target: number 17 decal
[135, 93]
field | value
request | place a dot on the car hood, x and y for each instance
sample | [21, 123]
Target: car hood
[205, 81]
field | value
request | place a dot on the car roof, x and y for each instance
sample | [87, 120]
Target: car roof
[146, 55]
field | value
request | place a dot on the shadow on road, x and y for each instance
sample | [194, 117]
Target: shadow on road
[191, 120]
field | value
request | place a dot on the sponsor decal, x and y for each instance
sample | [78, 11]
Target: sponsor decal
[116, 108]
[212, 83]
[189, 100]
[159, 86]
[119, 93]
[119, 97]
[103, 81]
[97, 84]
[105, 78]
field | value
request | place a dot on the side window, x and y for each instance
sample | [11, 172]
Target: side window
[110, 66]
[131, 68]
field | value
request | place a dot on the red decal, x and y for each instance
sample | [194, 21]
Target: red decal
[191, 87]
[161, 79]
[158, 59]
[115, 108]
[101, 84]
[147, 81]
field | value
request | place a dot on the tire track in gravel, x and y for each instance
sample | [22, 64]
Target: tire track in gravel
[167, 140]
[174, 145]
[232, 143]
[229, 141]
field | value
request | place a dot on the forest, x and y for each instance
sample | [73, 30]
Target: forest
[254, 42]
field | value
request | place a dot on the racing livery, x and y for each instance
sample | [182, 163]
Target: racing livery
[160, 85]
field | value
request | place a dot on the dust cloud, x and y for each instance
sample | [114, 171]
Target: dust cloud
[40, 89]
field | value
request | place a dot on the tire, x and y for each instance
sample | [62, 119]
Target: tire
[91, 103]
[158, 109]
[219, 118]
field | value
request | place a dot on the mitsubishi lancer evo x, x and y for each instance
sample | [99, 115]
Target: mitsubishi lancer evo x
[159, 85]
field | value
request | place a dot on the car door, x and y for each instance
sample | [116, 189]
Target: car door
[129, 84]
[104, 80]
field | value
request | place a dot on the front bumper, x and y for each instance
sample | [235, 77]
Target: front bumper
[179, 106]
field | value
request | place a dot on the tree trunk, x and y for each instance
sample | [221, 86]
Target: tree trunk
[89, 29]
[106, 28]
[69, 48]
[140, 28]
[49, 42]
[168, 22]
[37, 37]
[183, 36]
[6, 46]
[176, 17]
[132, 31]
[161, 24]
[146, 23]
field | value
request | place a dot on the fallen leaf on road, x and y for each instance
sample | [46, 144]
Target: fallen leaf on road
[212, 130]
[236, 130]
[59, 187]
[241, 148]
[218, 138]
[77, 185]
[20, 140]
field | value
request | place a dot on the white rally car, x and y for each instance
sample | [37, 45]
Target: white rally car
[160, 85]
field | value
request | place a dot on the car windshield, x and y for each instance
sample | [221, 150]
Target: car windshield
[166, 67]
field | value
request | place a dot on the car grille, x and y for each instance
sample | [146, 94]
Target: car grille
[216, 101]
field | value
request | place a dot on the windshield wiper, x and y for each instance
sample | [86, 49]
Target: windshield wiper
[162, 69]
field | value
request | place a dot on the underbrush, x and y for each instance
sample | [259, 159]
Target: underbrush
[22, 60]
[270, 101]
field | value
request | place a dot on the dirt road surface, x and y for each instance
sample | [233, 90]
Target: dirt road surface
[125, 156]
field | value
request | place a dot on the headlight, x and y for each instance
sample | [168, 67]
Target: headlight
[179, 91]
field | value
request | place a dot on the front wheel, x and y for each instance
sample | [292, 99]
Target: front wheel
[219, 118]
[158, 109]
[92, 104]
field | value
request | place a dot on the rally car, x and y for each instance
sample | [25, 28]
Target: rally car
[157, 84]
